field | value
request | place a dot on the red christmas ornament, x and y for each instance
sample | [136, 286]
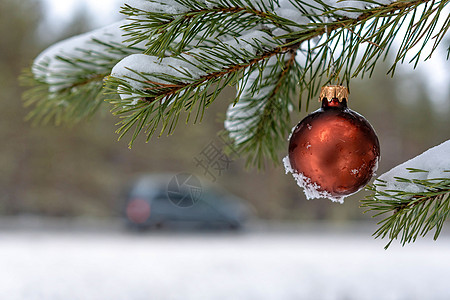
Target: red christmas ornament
[334, 151]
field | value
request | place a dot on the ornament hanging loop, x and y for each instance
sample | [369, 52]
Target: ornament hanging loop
[334, 74]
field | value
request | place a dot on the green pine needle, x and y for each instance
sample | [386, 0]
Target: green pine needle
[409, 215]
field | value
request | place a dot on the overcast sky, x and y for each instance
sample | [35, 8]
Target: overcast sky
[102, 11]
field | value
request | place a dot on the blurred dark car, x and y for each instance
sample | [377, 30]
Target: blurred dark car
[182, 201]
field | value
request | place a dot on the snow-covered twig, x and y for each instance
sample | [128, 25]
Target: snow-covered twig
[416, 194]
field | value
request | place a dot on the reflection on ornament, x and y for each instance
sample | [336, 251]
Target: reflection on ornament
[334, 151]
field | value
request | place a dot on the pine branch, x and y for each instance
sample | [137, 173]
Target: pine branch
[192, 41]
[338, 57]
[168, 95]
[413, 213]
[259, 121]
[179, 55]
[200, 22]
[66, 106]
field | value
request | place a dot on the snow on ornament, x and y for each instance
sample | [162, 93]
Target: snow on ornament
[334, 151]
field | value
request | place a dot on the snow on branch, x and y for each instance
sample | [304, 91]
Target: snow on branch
[66, 80]
[139, 70]
[432, 165]
[78, 57]
[171, 7]
[415, 194]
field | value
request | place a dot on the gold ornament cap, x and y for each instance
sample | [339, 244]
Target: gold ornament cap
[331, 92]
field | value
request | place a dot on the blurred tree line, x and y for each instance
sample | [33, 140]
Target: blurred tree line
[83, 170]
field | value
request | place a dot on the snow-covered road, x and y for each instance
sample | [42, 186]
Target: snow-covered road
[283, 264]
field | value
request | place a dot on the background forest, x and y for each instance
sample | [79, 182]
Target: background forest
[82, 171]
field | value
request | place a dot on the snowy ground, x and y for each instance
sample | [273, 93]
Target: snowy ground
[286, 263]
